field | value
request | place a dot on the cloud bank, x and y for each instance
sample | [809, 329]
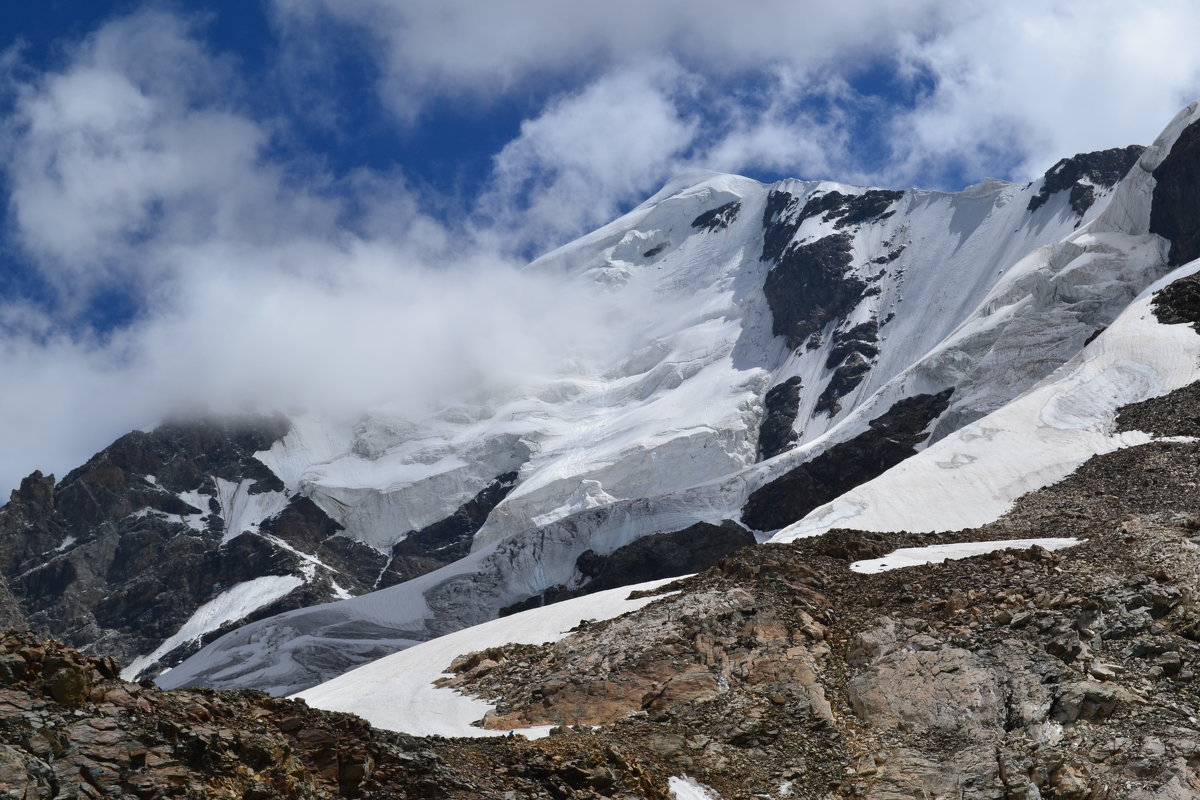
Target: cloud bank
[148, 166]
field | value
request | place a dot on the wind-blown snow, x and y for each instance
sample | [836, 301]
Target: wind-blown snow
[937, 553]
[681, 405]
[231, 605]
[397, 692]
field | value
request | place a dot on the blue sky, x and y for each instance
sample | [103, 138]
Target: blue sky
[199, 194]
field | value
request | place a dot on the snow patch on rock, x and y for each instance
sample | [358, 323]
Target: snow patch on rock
[398, 693]
[937, 553]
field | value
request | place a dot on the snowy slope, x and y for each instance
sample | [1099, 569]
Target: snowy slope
[398, 693]
[974, 475]
[972, 292]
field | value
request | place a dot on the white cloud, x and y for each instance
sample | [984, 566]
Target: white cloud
[255, 294]
[1012, 86]
[427, 50]
[573, 167]
[122, 159]
[1019, 85]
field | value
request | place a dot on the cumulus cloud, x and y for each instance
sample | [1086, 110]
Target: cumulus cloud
[1016, 86]
[135, 152]
[587, 155]
[426, 50]
[999, 89]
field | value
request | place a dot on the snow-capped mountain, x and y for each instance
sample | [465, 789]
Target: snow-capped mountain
[779, 346]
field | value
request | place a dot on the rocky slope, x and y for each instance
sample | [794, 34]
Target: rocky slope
[167, 537]
[787, 670]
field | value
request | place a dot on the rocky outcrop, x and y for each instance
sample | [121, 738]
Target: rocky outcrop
[1179, 302]
[1175, 207]
[1082, 173]
[1172, 414]
[118, 555]
[717, 218]
[851, 359]
[447, 540]
[781, 404]
[847, 210]
[892, 438]
[811, 285]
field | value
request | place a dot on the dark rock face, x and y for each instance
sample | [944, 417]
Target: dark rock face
[11, 615]
[852, 353]
[843, 381]
[782, 216]
[862, 339]
[1081, 173]
[780, 224]
[1175, 206]
[810, 286]
[782, 403]
[892, 438]
[1179, 302]
[717, 218]
[653, 251]
[662, 555]
[106, 561]
[447, 540]
[850, 210]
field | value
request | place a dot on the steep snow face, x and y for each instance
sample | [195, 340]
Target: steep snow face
[679, 407]
[231, 605]
[398, 692]
[974, 475]
[867, 297]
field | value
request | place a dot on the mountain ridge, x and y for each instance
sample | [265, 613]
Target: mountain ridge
[654, 441]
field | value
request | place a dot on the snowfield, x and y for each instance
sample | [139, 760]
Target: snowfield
[973, 475]
[937, 553]
[397, 692]
[231, 605]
